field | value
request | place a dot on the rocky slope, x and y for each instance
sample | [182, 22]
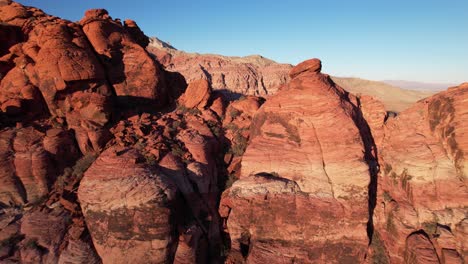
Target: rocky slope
[107, 157]
[423, 193]
[251, 75]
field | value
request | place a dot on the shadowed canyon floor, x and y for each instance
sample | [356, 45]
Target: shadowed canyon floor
[117, 148]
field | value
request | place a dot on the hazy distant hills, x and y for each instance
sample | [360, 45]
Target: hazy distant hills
[420, 86]
[258, 75]
[394, 98]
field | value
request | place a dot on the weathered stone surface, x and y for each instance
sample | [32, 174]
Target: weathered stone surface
[422, 184]
[129, 68]
[53, 71]
[373, 111]
[27, 170]
[128, 208]
[197, 94]
[252, 75]
[330, 170]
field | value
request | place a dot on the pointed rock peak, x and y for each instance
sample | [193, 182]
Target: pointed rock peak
[136, 33]
[312, 65]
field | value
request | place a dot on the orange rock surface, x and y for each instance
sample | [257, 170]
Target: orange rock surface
[303, 187]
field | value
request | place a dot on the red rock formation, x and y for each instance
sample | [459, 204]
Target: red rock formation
[374, 113]
[130, 69]
[197, 94]
[252, 75]
[421, 186]
[303, 191]
[55, 72]
[308, 188]
[27, 171]
[181, 147]
[120, 185]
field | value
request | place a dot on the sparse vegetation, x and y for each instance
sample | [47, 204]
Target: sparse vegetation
[379, 254]
[177, 151]
[214, 128]
[230, 181]
[31, 243]
[275, 174]
[391, 227]
[150, 160]
[234, 113]
[231, 126]
[387, 197]
[430, 227]
[184, 110]
[174, 125]
[76, 172]
[239, 145]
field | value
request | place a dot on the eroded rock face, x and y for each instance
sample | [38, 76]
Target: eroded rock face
[197, 94]
[129, 209]
[185, 146]
[252, 75]
[422, 185]
[54, 72]
[129, 68]
[322, 171]
[27, 170]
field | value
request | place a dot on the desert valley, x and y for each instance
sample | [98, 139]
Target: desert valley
[116, 147]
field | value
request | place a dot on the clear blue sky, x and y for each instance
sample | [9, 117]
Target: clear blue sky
[420, 40]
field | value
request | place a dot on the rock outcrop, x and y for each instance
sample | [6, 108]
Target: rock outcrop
[130, 69]
[423, 195]
[107, 157]
[31, 161]
[55, 72]
[300, 180]
[185, 148]
[119, 185]
[197, 94]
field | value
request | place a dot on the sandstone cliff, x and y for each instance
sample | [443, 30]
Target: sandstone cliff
[108, 157]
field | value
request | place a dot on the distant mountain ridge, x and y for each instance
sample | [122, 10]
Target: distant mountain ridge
[419, 86]
[257, 75]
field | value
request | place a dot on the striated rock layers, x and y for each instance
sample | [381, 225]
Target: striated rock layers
[423, 194]
[251, 75]
[303, 191]
[153, 196]
[105, 158]
[129, 208]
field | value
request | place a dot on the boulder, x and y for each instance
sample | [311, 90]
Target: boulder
[129, 208]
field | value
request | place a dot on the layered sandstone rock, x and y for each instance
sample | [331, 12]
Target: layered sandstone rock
[375, 114]
[55, 72]
[185, 147]
[422, 186]
[299, 169]
[129, 68]
[197, 94]
[44, 235]
[252, 75]
[27, 170]
[128, 208]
